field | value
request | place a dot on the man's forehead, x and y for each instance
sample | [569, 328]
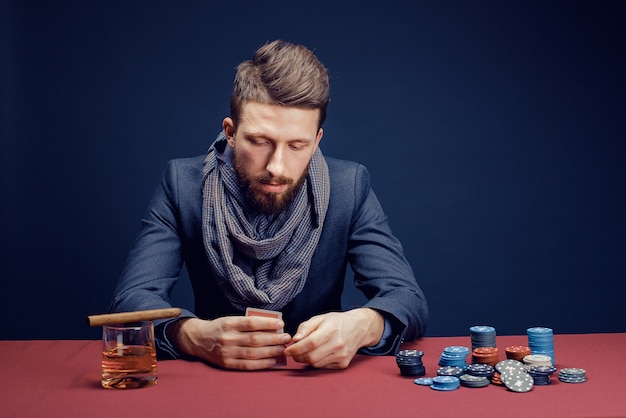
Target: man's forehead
[251, 108]
[270, 120]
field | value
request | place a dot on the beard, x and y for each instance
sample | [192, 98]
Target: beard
[266, 202]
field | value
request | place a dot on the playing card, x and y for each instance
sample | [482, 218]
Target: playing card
[282, 359]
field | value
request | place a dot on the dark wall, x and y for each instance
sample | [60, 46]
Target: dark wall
[494, 135]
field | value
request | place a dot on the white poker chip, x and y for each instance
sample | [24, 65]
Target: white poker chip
[537, 360]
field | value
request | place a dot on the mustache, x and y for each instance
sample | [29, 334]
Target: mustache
[268, 179]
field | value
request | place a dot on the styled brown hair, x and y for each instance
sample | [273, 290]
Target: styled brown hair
[281, 73]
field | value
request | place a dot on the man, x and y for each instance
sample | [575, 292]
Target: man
[264, 220]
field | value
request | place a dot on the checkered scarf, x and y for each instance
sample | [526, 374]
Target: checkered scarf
[261, 261]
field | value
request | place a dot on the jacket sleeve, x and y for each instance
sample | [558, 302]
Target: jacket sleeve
[155, 260]
[381, 271]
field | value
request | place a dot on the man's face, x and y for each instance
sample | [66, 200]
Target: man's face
[272, 147]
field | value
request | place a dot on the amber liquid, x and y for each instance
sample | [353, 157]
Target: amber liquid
[129, 367]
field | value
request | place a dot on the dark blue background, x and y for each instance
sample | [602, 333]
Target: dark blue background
[495, 136]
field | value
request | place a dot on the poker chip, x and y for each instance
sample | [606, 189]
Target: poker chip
[485, 355]
[454, 356]
[471, 381]
[450, 371]
[541, 341]
[537, 360]
[423, 381]
[517, 381]
[572, 375]
[480, 370]
[517, 352]
[496, 379]
[482, 336]
[524, 367]
[541, 374]
[507, 366]
[445, 383]
[410, 363]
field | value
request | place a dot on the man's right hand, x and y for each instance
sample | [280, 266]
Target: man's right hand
[231, 342]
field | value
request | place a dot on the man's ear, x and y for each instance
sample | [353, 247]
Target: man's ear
[320, 134]
[229, 131]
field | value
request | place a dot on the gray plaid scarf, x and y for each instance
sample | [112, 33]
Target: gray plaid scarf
[260, 261]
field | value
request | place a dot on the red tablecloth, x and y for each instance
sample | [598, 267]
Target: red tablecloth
[62, 379]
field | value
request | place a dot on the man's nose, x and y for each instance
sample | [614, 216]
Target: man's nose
[276, 163]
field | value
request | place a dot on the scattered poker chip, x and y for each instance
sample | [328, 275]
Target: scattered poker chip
[423, 381]
[518, 381]
[450, 371]
[509, 365]
[471, 381]
[572, 375]
[445, 383]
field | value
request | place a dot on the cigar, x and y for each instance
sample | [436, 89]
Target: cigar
[125, 317]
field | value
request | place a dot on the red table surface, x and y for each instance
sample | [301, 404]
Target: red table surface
[62, 378]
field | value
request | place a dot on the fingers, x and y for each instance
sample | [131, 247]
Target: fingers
[246, 343]
[252, 358]
[252, 323]
[315, 343]
[325, 341]
[306, 328]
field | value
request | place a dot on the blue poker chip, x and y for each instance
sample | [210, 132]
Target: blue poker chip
[445, 383]
[541, 341]
[423, 381]
[482, 336]
[573, 375]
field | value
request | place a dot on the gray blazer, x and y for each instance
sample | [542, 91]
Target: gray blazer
[355, 231]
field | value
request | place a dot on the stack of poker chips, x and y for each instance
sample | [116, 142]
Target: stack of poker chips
[485, 355]
[517, 352]
[541, 341]
[410, 363]
[537, 360]
[470, 381]
[482, 336]
[454, 356]
[572, 375]
[541, 374]
[445, 383]
[480, 370]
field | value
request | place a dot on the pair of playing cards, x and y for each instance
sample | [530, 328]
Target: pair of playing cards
[282, 359]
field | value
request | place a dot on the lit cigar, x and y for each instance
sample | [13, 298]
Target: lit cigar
[125, 317]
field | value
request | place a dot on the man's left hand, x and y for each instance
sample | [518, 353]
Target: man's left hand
[331, 340]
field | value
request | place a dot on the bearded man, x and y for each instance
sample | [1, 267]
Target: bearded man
[265, 220]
